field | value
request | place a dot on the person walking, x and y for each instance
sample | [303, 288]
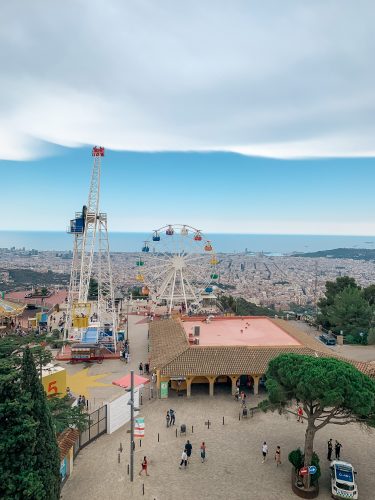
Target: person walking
[278, 456]
[126, 356]
[140, 368]
[144, 467]
[184, 458]
[329, 449]
[167, 418]
[189, 449]
[173, 416]
[203, 451]
[338, 447]
[300, 414]
[264, 451]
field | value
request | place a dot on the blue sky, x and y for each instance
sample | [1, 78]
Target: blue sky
[218, 192]
[232, 116]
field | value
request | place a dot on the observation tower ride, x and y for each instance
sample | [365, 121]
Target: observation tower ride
[91, 321]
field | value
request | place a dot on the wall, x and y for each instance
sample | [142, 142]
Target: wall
[119, 411]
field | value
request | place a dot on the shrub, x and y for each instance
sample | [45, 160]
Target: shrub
[295, 457]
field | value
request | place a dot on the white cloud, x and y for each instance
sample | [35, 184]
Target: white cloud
[280, 79]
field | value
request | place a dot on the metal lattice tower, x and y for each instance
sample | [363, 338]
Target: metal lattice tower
[91, 259]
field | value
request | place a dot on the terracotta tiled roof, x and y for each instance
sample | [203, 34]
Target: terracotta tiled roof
[167, 340]
[66, 440]
[301, 336]
[226, 360]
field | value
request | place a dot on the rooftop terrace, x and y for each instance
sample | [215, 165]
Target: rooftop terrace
[245, 331]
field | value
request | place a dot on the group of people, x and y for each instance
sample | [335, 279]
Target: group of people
[144, 369]
[265, 453]
[81, 400]
[170, 417]
[338, 447]
[124, 353]
[186, 454]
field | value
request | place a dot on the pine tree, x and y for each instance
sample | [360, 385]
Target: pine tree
[18, 477]
[47, 457]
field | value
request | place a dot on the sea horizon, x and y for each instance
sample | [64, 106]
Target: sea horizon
[126, 241]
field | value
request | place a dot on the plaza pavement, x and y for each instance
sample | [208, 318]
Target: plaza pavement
[356, 352]
[233, 469]
[95, 380]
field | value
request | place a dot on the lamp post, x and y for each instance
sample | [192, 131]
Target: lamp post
[127, 317]
[132, 410]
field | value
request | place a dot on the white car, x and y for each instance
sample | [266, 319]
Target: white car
[343, 480]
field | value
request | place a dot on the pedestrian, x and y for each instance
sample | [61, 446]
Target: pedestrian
[144, 465]
[338, 447]
[237, 394]
[278, 456]
[300, 414]
[83, 400]
[167, 418]
[203, 451]
[329, 452]
[140, 368]
[79, 400]
[173, 416]
[126, 356]
[184, 458]
[189, 449]
[147, 368]
[264, 451]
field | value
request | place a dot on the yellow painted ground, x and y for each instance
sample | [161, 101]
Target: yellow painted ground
[80, 382]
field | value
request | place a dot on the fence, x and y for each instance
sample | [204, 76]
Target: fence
[97, 427]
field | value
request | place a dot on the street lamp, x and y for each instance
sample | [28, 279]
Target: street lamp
[132, 410]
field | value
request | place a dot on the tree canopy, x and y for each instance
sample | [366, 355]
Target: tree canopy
[46, 452]
[330, 391]
[349, 308]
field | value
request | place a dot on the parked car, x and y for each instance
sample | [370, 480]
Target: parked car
[327, 339]
[343, 480]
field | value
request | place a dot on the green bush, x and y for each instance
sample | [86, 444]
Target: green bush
[55, 334]
[295, 457]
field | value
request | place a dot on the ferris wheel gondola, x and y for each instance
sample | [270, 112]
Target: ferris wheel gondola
[181, 268]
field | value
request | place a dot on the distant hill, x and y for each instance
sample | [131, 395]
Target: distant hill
[342, 253]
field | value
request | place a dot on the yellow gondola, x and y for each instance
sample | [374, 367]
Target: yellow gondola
[139, 277]
[214, 261]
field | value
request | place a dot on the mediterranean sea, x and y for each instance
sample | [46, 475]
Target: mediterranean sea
[276, 244]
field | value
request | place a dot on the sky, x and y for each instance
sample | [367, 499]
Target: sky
[243, 116]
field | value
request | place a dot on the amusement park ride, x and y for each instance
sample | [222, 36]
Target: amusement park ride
[91, 321]
[177, 268]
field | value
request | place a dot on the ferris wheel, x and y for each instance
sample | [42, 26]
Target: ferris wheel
[177, 267]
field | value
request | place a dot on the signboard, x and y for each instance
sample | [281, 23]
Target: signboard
[304, 471]
[55, 383]
[163, 390]
[312, 469]
[139, 427]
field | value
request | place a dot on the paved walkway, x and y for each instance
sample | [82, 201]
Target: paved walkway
[234, 468]
[95, 380]
[356, 352]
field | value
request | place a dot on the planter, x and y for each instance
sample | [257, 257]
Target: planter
[311, 492]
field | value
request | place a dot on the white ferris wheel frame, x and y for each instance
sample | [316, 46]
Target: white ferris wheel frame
[177, 270]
